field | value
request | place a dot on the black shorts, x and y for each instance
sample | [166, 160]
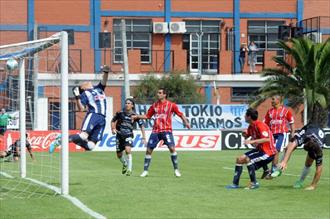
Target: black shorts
[258, 158]
[3, 130]
[318, 158]
[123, 141]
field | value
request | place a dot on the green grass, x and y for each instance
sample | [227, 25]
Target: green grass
[96, 180]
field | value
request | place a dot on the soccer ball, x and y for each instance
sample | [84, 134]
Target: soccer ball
[11, 64]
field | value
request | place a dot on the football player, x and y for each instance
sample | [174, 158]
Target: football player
[264, 151]
[15, 150]
[93, 99]
[312, 137]
[122, 126]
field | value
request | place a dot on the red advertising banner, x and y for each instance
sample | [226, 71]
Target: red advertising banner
[40, 140]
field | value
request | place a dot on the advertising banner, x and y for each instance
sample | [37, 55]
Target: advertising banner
[13, 123]
[233, 140]
[185, 141]
[206, 116]
[40, 140]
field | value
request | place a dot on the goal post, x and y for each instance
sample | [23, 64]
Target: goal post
[64, 114]
[24, 54]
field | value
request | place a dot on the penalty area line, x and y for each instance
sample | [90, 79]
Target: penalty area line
[72, 199]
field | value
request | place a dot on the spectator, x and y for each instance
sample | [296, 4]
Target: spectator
[252, 53]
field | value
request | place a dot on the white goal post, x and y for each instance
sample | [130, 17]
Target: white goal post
[19, 52]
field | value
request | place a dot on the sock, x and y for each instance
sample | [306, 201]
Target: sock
[123, 160]
[147, 160]
[79, 141]
[129, 162]
[238, 172]
[252, 173]
[90, 145]
[174, 158]
[304, 173]
[265, 168]
[274, 167]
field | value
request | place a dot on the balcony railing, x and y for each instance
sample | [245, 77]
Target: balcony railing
[140, 61]
[155, 61]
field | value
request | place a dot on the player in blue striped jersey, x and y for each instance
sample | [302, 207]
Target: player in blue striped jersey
[93, 100]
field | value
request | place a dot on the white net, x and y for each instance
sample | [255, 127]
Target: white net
[42, 118]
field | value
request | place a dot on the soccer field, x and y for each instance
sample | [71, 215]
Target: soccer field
[96, 180]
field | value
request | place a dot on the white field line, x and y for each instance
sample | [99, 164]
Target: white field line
[287, 174]
[74, 200]
[6, 175]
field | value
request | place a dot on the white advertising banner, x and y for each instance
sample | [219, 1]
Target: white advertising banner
[184, 140]
[206, 116]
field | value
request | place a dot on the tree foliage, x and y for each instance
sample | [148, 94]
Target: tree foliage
[182, 90]
[305, 75]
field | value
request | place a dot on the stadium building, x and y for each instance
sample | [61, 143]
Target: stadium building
[201, 38]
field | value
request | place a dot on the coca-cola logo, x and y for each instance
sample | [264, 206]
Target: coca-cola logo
[39, 140]
[43, 142]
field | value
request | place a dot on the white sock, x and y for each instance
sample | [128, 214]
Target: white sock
[129, 161]
[304, 173]
[123, 160]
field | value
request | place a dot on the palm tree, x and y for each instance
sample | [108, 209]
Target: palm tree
[303, 76]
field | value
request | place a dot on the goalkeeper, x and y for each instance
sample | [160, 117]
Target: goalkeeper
[15, 150]
[93, 100]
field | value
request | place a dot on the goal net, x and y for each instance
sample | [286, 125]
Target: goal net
[32, 115]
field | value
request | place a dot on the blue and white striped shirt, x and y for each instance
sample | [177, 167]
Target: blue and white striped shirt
[95, 99]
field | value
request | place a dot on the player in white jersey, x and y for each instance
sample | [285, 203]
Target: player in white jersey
[93, 99]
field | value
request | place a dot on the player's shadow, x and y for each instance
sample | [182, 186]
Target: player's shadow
[264, 187]
[276, 187]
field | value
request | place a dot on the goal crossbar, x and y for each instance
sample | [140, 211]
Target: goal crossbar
[38, 45]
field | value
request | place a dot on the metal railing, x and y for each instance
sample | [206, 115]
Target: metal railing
[150, 60]
[315, 24]
[53, 62]
[153, 61]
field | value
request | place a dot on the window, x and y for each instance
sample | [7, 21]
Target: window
[206, 32]
[265, 35]
[243, 94]
[54, 113]
[138, 36]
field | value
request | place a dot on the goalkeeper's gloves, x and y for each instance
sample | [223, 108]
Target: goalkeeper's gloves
[76, 92]
[105, 69]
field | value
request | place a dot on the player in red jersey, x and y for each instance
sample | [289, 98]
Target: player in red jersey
[264, 151]
[162, 112]
[277, 118]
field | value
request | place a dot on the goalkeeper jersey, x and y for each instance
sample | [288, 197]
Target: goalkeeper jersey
[95, 99]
